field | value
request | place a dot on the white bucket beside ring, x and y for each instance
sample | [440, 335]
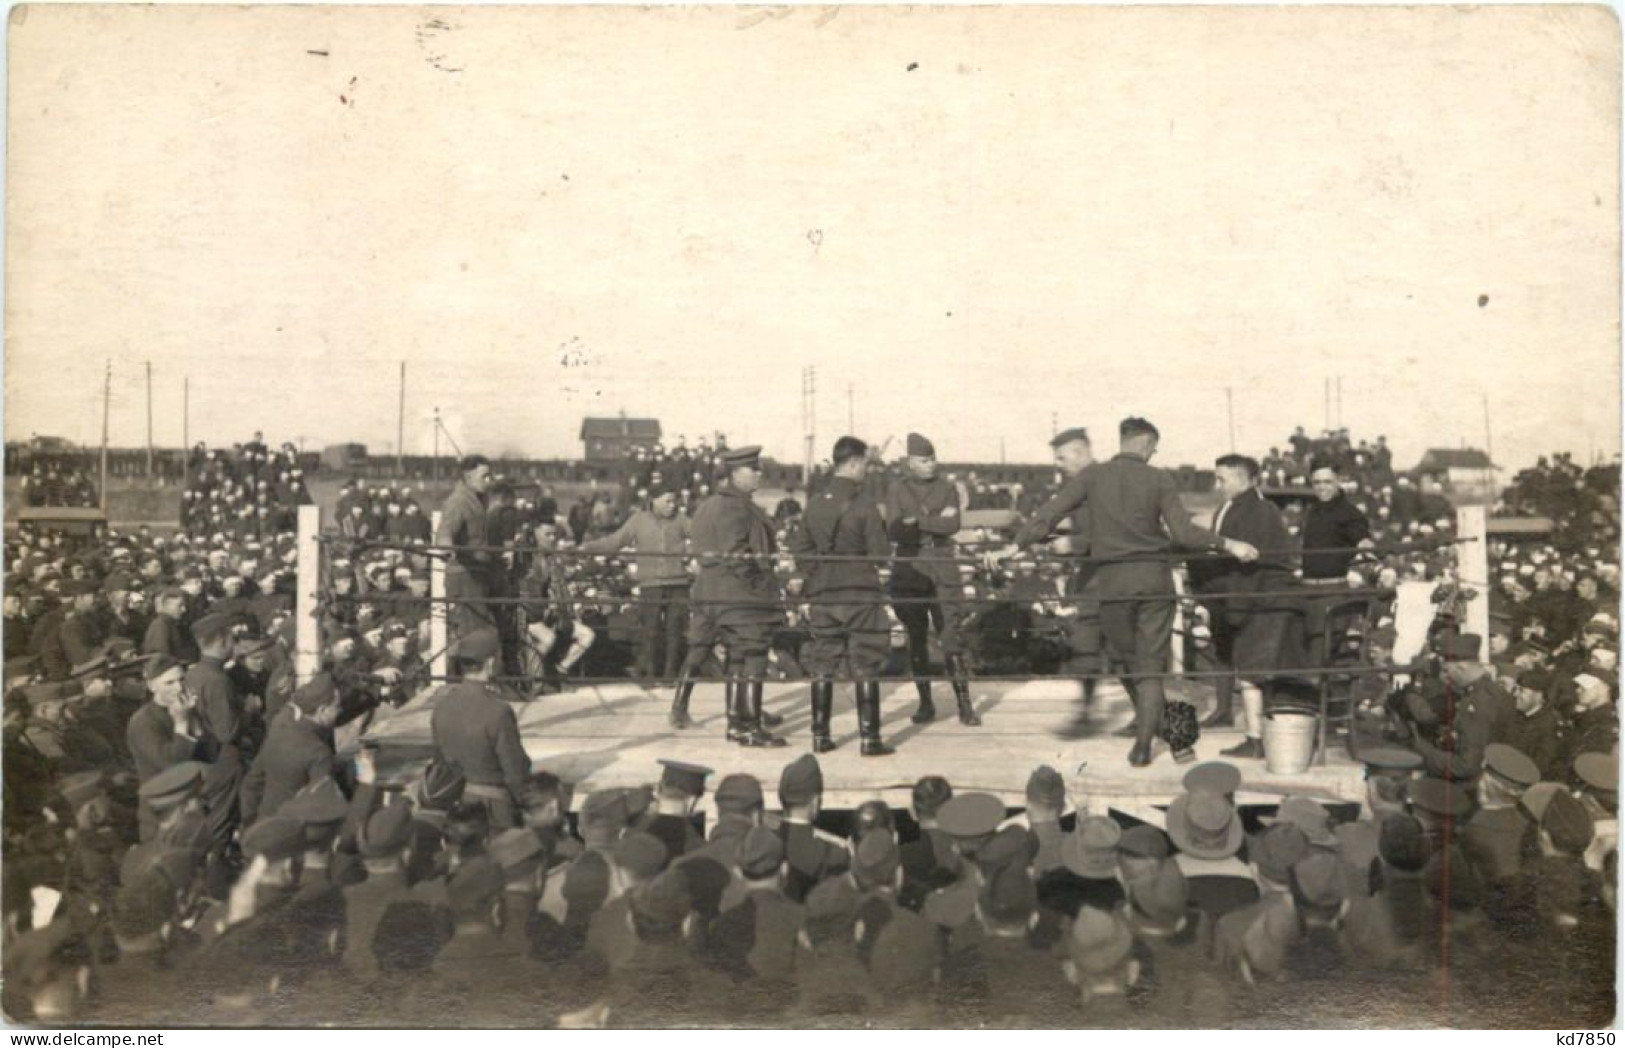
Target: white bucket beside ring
[1289, 741]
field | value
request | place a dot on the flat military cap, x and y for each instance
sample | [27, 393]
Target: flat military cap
[1277, 849]
[1218, 777]
[1510, 766]
[173, 786]
[478, 645]
[639, 799]
[82, 788]
[1536, 798]
[318, 804]
[834, 901]
[1391, 761]
[1045, 786]
[1099, 942]
[665, 901]
[1308, 815]
[1145, 842]
[738, 793]
[750, 455]
[1567, 823]
[1090, 850]
[1162, 893]
[641, 854]
[159, 665]
[512, 847]
[1011, 846]
[970, 816]
[275, 837]
[1438, 797]
[386, 831]
[120, 582]
[1067, 436]
[919, 446]
[875, 861]
[801, 780]
[1009, 895]
[760, 853]
[211, 628]
[441, 786]
[1598, 771]
[680, 775]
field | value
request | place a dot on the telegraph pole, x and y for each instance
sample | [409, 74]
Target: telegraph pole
[436, 468]
[149, 419]
[107, 403]
[809, 418]
[186, 429]
[400, 424]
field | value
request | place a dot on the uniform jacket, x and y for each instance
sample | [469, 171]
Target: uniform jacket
[1134, 508]
[475, 728]
[154, 742]
[220, 709]
[296, 753]
[463, 523]
[927, 544]
[733, 539]
[841, 520]
[812, 856]
[1065, 504]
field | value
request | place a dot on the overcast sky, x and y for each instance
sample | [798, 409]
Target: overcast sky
[979, 220]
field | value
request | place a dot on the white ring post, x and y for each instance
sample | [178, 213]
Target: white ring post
[437, 606]
[1473, 567]
[307, 631]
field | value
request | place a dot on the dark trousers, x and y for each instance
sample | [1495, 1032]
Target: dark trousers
[1138, 632]
[662, 629]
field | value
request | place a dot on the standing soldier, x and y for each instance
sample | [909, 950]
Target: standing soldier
[475, 729]
[463, 523]
[736, 600]
[1134, 519]
[922, 511]
[849, 628]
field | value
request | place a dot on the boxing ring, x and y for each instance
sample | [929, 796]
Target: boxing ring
[609, 733]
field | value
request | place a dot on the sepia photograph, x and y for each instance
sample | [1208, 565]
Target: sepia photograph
[1041, 517]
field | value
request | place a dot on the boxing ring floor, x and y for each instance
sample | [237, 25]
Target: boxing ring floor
[609, 736]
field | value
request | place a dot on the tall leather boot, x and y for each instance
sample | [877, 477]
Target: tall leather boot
[868, 694]
[1224, 714]
[738, 716]
[823, 703]
[919, 662]
[960, 669]
[679, 718]
[750, 707]
[1148, 703]
[927, 711]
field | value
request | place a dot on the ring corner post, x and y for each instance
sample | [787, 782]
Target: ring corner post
[307, 636]
[437, 607]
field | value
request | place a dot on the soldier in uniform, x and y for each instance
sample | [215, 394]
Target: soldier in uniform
[470, 573]
[298, 750]
[811, 854]
[475, 728]
[380, 908]
[1088, 873]
[1387, 770]
[922, 514]
[735, 598]
[710, 867]
[1498, 834]
[82, 633]
[1004, 976]
[1073, 454]
[1134, 518]
[167, 633]
[830, 980]
[1175, 934]
[681, 787]
[970, 820]
[1484, 713]
[162, 733]
[753, 941]
[929, 861]
[849, 627]
[523, 859]
[146, 984]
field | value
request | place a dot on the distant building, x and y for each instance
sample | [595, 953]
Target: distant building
[342, 457]
[604, 439]
[1465, 471]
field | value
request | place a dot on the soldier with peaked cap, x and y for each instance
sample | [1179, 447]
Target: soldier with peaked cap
[1387, 770]
[681, 787]
[998, 969]
[475, 728]
[180, 825]
[1498, 834]
[810, 854]
[1073, 454]
[1484, 713]
[922, 517]
[971, 820]
[735, 598]
[380, 909]
[315, 915]
[710, 867]
[1088, 875]
[753, 941]
[850, 633]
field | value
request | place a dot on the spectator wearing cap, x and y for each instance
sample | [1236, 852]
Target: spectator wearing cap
[1088, 875]
[45, 642]
[811, 854]
[523, 860]
[314, 916]
[163, 731]
[1484, 713]
[922, 514]
[121, 618]
[711, 866]
[1321, 902]
[221, 712]
[637, 859]
[971, 821]
[1073, 454]
[385, 899]
[477, 950]
[753, 940]
[681, 787]
[1387, 770]
[830, 979]
[471, 570]
[877, 872]
[1102, 962]
[997, 968]
[1208, 833]
[660, 535]
[1174, 935]
[1135, 517]
[82, 631]
[661, 967]
[929, 861]
[298, 750]
[736, 599]
[1498, 834]
[476, 729]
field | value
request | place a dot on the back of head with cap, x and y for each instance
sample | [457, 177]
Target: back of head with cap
[930, 794]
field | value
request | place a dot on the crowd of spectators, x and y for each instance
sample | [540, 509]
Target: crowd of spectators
[53, 482]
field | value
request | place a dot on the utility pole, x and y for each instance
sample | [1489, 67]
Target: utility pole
[107, 403]
[809, 418]
[186, 429]
[400, 424]
[435, 471]
[1489, 450]
[149, 419]
[1230, 410]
